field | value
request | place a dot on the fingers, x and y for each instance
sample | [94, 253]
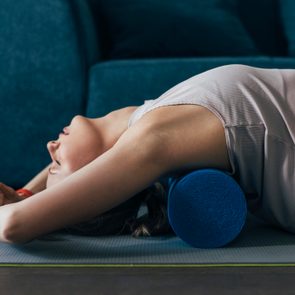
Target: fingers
[5, 187]
[2, 195]
[7, 194]
[1, 198]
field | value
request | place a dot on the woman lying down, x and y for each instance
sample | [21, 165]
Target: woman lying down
[236, 118]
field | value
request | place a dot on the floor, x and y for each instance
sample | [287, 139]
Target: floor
[211, 281]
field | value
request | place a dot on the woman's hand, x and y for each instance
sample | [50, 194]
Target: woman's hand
[8, 195]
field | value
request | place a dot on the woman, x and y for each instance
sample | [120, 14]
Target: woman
[236, 118]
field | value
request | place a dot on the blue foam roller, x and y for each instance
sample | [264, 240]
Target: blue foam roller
[206, 208]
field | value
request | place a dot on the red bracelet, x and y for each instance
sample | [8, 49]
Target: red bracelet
[24, 192]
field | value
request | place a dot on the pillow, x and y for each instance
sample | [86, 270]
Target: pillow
[263, 22]
[288, 20]
[172, 28]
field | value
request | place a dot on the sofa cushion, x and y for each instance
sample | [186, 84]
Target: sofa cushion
[262, 19]
[153, 28]
[42, 82]
[288, 19]
[117, 84]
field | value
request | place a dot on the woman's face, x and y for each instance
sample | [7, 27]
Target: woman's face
[76, 146]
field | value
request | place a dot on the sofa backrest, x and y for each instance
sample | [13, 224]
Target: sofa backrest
[48, 46]
[186, 28]
[264, 22]
[43, 82]
[287, 9]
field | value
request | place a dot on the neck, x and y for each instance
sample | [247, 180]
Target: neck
[113, 125]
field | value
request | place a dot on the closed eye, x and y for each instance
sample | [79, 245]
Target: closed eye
[58, 163]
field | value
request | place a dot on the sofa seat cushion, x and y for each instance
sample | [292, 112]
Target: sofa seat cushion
[116, 84]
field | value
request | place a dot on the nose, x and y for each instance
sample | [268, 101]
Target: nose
[52, 146]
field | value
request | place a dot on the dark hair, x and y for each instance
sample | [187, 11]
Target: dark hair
[155, 220]
[126, 218]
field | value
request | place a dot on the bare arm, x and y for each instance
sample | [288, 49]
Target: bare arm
[127, 168]
[141, 156]
[9, 195]
[38, 183]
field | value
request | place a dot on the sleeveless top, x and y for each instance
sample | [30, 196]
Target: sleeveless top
[257, 109]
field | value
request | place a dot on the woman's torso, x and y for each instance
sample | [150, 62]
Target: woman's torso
[257, 109]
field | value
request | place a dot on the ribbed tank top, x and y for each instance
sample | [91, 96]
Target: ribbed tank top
[257, 109]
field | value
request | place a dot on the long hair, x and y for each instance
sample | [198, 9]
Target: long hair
[126, 219]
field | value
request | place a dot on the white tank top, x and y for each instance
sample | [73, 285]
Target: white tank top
[257, 109]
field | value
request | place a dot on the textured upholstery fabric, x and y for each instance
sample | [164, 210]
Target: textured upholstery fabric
[116, 84]
[52, 63]
[42, 82]
[152, 28]
[288, 20]
[262, 20]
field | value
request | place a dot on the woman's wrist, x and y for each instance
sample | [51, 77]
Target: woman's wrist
[24, 193]
[38, 183]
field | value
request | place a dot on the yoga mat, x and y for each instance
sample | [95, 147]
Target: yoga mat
[257, 245]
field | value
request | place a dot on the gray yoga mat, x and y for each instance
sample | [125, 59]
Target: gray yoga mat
[258, 244]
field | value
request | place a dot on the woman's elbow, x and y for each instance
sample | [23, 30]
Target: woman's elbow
[11, 229]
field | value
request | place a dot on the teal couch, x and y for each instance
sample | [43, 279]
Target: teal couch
[59, 58]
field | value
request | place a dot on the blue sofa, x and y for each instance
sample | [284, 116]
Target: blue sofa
[59, 58]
